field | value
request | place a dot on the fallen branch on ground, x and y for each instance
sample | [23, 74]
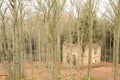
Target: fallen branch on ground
[2, 75]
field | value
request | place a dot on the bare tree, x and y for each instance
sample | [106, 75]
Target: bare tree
[116, 22]
[51, 11]
[92, 6]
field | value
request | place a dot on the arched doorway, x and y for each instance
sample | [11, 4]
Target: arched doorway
[74, 59]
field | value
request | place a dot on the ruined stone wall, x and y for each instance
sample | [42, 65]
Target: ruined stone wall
[96, 53]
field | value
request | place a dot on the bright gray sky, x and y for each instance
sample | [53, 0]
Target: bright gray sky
[103, 4]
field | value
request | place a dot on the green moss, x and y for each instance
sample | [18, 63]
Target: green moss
[0, 55]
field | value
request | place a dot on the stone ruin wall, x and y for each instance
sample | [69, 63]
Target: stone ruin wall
[96, 53]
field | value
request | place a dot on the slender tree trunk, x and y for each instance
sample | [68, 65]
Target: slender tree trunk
[90, 24]
[116, 50]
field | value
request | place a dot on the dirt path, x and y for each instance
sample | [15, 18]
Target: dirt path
[101, 70]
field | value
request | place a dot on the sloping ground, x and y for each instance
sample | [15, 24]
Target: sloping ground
[104, 70]
[101, 70]
[2, 73]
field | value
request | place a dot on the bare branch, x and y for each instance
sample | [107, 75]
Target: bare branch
[114, 7]
[1, 3]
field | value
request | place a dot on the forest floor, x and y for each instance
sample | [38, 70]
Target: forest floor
[101, 70]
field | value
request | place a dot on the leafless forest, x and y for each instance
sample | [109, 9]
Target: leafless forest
[59, 39]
